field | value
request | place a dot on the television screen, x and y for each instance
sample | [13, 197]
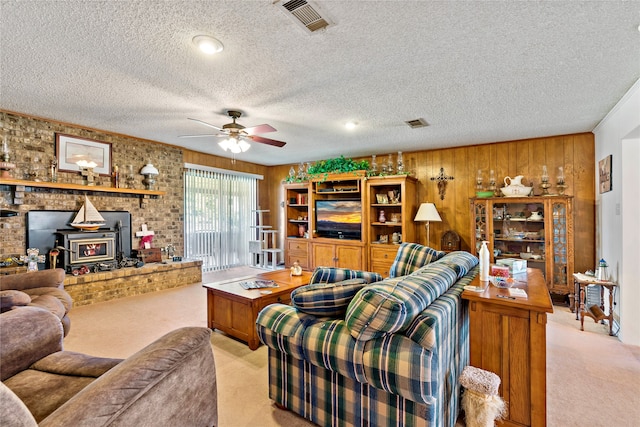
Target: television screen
[339, 219]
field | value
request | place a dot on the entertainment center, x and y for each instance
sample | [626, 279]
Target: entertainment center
[349, 220]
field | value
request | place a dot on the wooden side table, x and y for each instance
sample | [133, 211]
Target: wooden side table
[597, 313]
[507, 336]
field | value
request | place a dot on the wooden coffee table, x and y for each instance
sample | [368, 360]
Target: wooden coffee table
[234, 310]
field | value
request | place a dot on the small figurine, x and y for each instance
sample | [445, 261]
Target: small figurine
[296, 270]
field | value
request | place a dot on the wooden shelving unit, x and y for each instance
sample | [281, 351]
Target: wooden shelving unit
[365, 253]
[399, 218]
[78, 187]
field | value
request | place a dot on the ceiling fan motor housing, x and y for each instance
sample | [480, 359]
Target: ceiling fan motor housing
[233, 126]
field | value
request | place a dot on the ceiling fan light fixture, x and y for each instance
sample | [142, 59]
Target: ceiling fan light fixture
[244, 145]
[234, 145]
[208, 45]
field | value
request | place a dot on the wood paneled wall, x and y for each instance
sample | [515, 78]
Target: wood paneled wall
[575, 153]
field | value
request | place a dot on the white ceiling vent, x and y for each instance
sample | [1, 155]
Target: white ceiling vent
[417, 123]
[304, 13]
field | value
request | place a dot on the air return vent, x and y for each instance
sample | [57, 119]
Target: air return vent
[304, 13]
[417, 123]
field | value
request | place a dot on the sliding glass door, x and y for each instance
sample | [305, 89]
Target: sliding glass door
[218, 216]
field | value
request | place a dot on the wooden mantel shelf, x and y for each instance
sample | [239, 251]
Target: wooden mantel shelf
[79, 187]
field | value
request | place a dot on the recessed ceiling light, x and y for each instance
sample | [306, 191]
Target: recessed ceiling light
[208, 44]
[351, 125]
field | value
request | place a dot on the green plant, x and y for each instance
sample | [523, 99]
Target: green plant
[337, 165]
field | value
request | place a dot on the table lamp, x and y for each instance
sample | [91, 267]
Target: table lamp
[427, 213]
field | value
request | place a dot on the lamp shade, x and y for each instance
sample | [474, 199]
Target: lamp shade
[427, 212]
[149, 169]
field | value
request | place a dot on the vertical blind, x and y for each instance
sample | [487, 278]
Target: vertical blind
[218, 216]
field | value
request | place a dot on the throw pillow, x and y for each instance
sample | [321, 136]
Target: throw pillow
[326, 299]
[335, 274]
[12, 298]
[412, 256]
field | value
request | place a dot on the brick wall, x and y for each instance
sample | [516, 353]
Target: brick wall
[32, 145]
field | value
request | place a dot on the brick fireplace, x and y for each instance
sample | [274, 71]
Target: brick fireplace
[46, 229]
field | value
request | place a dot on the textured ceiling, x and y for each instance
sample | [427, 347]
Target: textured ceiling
[476, 71]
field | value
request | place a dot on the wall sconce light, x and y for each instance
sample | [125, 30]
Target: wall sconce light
[150, 172]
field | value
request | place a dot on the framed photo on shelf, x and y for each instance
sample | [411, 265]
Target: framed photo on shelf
[71, 149]
[604, 174]
[382, 199]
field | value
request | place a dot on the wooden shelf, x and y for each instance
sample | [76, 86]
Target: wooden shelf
[79, 187]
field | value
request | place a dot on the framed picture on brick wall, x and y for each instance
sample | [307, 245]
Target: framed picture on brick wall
[604, 174]
[70, 150]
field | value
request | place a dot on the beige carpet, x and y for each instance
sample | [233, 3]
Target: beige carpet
[592, 379]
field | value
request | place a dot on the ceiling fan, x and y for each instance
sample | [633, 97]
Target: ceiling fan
[236, 134]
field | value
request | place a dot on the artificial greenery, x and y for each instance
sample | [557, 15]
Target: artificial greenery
[337, 165]
[323, 168]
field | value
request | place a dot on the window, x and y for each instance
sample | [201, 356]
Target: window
[218, 216]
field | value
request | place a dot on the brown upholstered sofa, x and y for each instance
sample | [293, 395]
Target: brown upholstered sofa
[44, 288]
[171, 382]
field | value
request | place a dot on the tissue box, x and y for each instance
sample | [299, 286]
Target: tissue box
[515, 265]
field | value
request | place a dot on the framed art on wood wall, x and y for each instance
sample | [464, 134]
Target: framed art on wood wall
[71, 149]
[604, 173]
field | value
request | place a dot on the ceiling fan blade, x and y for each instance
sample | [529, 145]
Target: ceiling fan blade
[206, 124]
[259, 129]
[201, 135]
[266, 140]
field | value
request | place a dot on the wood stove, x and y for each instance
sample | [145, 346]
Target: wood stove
[48, 229]
[87, 248]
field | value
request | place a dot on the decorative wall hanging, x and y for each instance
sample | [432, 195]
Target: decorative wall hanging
[70, 150]
[442, 180]
[604, 173]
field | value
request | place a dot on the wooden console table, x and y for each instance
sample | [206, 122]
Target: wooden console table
[507, 336]
[581, 281]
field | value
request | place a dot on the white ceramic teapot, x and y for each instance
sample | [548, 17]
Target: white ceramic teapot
[517, 181]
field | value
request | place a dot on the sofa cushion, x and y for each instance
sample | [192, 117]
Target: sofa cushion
[462, 262]
[44, 392]
[333, 274]
[410, 257]
[389, 306]
[12, 298]
[49, 303]
[282, 327]
[326, 299]
[14, 411]
[60, 294]
[329, 344]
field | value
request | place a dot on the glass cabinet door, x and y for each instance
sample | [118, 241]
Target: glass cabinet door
[560, 240]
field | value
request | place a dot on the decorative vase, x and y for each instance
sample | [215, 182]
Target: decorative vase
[381, 217]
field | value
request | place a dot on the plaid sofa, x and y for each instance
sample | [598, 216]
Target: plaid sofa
[392, 359]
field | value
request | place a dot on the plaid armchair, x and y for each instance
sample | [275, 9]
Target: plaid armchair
[388, 352]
